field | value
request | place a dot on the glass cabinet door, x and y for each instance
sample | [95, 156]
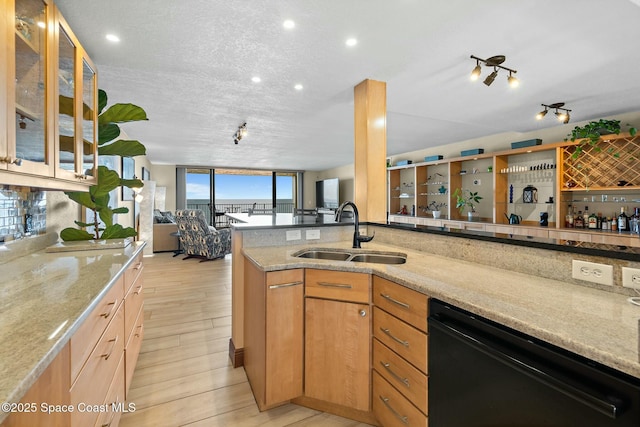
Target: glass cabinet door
[66, 159]
[89, 119]
[31, 152]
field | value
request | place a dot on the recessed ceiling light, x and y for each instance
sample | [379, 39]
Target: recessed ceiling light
[256, 79]
[112, 38]
[298, 87]
[351, 42]
[289, 24]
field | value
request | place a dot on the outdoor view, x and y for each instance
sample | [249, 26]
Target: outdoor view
[238, 191]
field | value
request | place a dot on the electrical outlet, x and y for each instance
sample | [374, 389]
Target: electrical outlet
[294, 235]
[631, 277]
[592, 272]
[312, 234]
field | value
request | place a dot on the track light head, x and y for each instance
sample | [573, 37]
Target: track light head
[475, 74]
[541, 114]
[513, 81]
[491, 77]
[240, 133]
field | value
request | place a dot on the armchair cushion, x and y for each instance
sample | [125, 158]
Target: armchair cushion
[199, 239]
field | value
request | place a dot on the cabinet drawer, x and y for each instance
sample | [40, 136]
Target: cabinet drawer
[401, 374]
[132, 350]
[404, 303]
[133, 303]
[132, 272]
[338, 285]
[407, 341]
[88, 334]
[114, 399]
[284, 278]
[391, 408]
[93, 382]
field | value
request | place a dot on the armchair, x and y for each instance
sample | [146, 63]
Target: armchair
[200, 240]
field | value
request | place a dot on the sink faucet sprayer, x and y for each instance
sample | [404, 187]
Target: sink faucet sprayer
[357, 238]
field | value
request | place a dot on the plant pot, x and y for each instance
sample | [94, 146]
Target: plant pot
[472, 216]
[436, 214]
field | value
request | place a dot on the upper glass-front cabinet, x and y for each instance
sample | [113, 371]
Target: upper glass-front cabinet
[76, 125]
[51, 94]
[31, 152]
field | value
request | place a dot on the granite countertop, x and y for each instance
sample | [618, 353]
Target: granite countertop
[246, 221]
[602, 326]
[45, 298]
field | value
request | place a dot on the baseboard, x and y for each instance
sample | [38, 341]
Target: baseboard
[366, 417]
[236, 355]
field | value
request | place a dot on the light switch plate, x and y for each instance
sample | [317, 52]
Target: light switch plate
[294, 235]
[312, 234]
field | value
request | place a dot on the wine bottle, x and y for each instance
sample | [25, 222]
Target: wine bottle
[623, 221]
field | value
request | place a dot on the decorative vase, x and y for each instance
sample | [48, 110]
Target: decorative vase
[472, 215]
[436, 214]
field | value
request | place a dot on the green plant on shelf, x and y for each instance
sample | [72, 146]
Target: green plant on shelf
[466, 198]
[591, 132]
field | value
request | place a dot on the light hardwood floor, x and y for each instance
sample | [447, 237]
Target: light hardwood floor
[184, 376]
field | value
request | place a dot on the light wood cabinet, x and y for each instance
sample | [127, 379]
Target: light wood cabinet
[49, 102]
[93, 371]
[337, 338]
[273, 332]
[400, 384]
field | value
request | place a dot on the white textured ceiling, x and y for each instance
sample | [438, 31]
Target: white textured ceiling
[189, 64]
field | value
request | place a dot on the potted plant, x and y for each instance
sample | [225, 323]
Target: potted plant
[591, 132]
[435, 207]
[467, 198]
[97, 198]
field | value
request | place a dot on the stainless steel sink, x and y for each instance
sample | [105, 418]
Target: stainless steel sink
[361, 256]
[379, 258]
[334, 256]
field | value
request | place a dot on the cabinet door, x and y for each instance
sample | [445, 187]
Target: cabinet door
[285, 342]
[28, 148]
[337, 352]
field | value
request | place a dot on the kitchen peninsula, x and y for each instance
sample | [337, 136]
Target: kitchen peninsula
[522, 283]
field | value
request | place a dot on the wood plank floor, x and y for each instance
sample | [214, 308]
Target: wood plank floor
[184, 376]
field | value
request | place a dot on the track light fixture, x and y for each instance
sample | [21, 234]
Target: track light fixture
[495, 62]
[240, 133]
[562, 114]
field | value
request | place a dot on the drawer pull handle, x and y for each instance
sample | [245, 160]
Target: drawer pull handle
[139, 327]
[138, 290]
[110, 312]
[138, 266]
[403, 418]
[113, 346]
[285, 285]
[113, 415]
[395, 301]
[404, 381]
[396, 339]
[334, 285]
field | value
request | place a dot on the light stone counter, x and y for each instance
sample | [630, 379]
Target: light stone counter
[44, 298]
[596, 324]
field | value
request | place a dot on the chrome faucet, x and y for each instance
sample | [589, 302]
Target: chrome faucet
[357, 238]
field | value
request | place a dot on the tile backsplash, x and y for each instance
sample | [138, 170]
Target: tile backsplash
[23, 211]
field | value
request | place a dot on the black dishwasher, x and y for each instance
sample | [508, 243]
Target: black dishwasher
[482, 374]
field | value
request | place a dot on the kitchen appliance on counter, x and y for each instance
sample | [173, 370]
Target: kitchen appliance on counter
[485, 374]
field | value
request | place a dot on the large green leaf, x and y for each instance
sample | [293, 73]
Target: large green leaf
[82, 197]
[123, 148]
[102, 100]
[73, 234]
[132, 183]
[106, 215]
[107, 132]
[122, 210]
[121, 113]
[116, 231]
[108, 180]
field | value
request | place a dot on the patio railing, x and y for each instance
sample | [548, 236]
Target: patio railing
[222, 220]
